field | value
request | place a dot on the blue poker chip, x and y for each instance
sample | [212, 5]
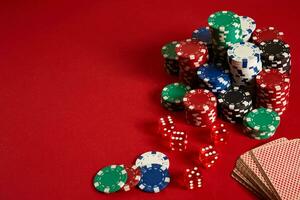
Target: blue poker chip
[203, 34]
[214, 77]
[154, 178]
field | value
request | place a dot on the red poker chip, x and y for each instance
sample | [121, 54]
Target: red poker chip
[200, 100]
[191, 50]
[271, 80]
[133, 177]
[265, 34]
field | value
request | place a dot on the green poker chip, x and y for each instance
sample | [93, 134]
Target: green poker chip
[110, 178]
[168, 50]
[226, 28]
[222, 20]
[262, 120]
[174, 93]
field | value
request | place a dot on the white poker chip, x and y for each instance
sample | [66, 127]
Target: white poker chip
[153, 157]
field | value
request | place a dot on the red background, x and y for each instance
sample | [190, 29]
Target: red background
[80, 87]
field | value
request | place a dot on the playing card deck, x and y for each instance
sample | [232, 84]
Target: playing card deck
[271, 171]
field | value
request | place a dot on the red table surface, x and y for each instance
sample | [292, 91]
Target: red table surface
[80, 86]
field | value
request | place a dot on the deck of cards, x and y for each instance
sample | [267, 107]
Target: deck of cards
[272, 170]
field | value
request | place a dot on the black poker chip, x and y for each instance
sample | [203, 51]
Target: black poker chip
[274, 50]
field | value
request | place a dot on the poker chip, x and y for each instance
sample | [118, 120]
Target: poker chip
[172, 96]
[191, 54]
[235, 103]
[152, 157]
[133, 177]
[191, 50]
[171, 60]
[273, 89]
[261, 123]
[202, 34]
[154, 178]
[215, 78]
[110, 179]
[244, 60]
[276, 55]
[200, 107]
[248, 26]
[266, 34]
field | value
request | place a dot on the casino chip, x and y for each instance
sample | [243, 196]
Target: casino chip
[202, 34]
[273, 89]
[266, 34]
[191, 55]
[172, 95]
[152, 157]
[200, 107]
[134, 177]
[248, 26]
[215, 78]
[110, 179]
[276, 55]
[235, 103]
[171, 59]
[261, 123]
[244, 59]
[154, 178]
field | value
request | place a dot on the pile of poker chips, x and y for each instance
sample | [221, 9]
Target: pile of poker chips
[248, 26]
[228, 38]
[150, 174]
[172, 95]
[273, 89]
[245, 63]
[215, 78]
[191, 54]
[235, 103]
[226, 30]
[261, 123]
[200, 107]
[276, 55]
[171, 60]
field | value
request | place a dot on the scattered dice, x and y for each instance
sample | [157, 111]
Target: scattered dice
[178, 141]
[193, 178]
[208, 156]
[219, 134]
[166, 126]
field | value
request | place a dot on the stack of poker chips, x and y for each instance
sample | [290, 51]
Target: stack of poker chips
[215, 79]
[273, 89]
[248, 26]
[200, 107]
[171, 60]
[235, 103]
[204, 34]
[276, 55]
[226, 30]
[244, 60]
[191, 55]
[172, 95]
[265, 34]
[261, 123]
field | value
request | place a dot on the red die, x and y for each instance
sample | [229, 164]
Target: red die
[166, 126]
[219, 134]
[178, 141]
[208, 156]
[192, 178]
